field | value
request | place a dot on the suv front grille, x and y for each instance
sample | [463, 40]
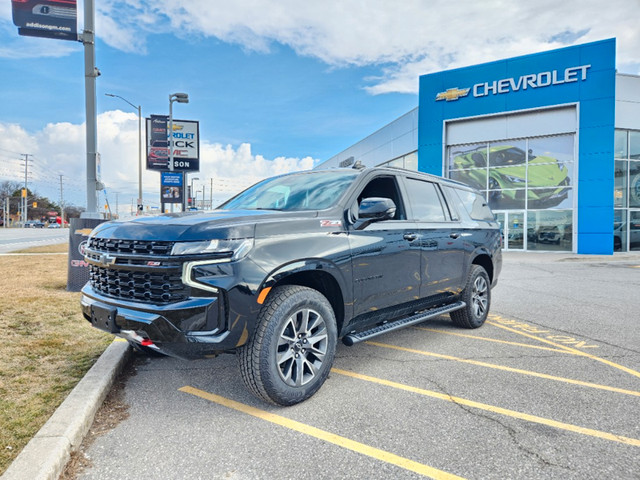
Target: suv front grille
[154, 285]
[134, 247]
[138, 271]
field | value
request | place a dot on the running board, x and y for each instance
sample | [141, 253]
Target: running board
[398, 324]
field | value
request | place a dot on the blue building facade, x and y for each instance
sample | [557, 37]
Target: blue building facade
[576, 81]
[552, 139]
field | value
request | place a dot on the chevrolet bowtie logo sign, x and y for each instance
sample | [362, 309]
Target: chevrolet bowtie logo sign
[452, 94]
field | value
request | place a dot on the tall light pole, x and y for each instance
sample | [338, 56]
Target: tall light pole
[139, 108]
[202, 201]
[180, 98]
[191, 193]
[90, 74]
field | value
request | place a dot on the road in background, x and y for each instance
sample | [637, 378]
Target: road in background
[549, 387]
[12, 239]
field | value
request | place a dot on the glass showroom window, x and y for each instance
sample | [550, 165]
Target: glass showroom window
[550, 230]
[626, 193]
[523, 174]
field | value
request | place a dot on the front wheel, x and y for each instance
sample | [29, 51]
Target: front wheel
[290, 354]
[477, 296]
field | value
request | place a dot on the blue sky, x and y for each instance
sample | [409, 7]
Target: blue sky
[276, 86]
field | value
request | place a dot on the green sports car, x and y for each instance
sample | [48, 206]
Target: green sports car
[509, 177]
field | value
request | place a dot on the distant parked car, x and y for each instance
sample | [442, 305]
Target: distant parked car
[549, 235]
[54, 225]
[33, 224]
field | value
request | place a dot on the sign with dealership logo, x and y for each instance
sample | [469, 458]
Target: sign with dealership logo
[184, 140]
[46, 18]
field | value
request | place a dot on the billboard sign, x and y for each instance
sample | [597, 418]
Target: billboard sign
[171, 187]
[185, 140]
[157, 145]
[46, 18]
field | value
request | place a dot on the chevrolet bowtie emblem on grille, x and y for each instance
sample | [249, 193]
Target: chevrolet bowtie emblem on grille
[452, 94]
[105, 259]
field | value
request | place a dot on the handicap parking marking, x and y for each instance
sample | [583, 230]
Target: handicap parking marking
[569, 344]
[494, 409]
[564, 340]
[328, 437]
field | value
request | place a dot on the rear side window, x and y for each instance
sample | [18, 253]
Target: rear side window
[475, 205]
[425, 201]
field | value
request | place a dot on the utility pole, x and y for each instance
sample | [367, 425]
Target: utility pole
[90, 75]
[61, 204]
[211, 195]
[24, 193]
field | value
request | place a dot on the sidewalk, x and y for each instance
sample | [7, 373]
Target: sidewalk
[550, 257]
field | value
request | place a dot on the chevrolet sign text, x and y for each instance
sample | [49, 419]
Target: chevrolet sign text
[506, 85]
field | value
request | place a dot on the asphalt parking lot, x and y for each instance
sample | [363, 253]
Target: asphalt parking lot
[549, 387]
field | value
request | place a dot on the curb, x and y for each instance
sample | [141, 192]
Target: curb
[47, 453]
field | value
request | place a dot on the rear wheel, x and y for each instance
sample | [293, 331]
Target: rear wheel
[477, 296]
[291, 352]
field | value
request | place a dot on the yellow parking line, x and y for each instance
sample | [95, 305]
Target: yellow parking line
[508, 369]
[324, 435]
[491, 408]
[572, 350]
[475, 337]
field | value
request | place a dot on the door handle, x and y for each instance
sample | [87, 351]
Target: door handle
[454, 235]
[410, 236]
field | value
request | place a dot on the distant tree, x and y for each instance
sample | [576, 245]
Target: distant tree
[71, 211]
[7, 189]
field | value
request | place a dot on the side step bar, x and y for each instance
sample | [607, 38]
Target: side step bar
[401, 323]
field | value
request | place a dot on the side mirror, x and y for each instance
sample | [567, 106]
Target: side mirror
[374, 209]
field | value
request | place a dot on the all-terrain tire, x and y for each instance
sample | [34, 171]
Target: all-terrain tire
[290, 354]
[477, 296]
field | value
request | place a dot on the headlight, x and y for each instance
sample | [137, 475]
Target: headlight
[235, 249]
[513, 179]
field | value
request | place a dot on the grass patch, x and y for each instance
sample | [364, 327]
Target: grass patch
[57, 248]
[47, 345]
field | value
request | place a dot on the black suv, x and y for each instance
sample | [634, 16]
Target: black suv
[283, 270]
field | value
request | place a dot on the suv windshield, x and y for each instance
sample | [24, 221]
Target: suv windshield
[300, 191]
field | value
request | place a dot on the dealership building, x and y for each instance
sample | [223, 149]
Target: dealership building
[552, 140]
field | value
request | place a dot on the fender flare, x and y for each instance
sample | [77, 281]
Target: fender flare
[309, 265]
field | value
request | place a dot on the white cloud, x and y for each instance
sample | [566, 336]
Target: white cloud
[59, 149]
[405, 38]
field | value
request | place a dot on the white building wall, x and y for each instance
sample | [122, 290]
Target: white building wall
[628, 101]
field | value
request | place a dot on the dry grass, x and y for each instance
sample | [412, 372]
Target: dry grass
[46, 344]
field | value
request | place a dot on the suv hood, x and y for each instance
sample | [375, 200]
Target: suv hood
[194, 226]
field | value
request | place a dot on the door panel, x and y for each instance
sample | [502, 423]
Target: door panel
[442, 251]
[512, 228]
[386, 265]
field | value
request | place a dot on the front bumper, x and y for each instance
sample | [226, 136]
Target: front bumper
[194, 328]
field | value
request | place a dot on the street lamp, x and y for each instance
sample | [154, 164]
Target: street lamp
[191, 193]
[180, 98]
[139, 108]
[202, 201]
